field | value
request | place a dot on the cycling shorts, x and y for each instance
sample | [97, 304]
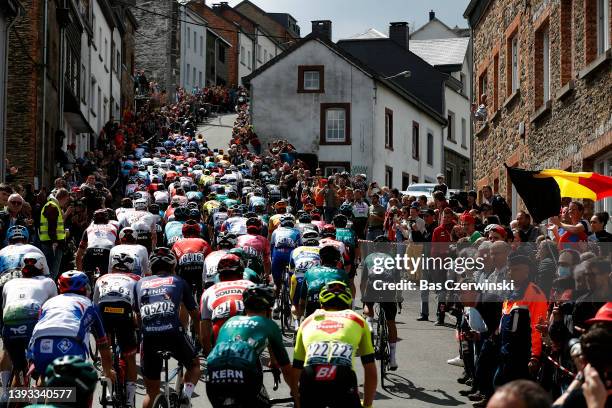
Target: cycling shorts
[96, 258]
[280, 261]
[323, 386]
[47, 349]
[16, 349]
[390, 309]
[243, 386]
[192, 277]
[177, 343]
[297, 283]
[118, 321]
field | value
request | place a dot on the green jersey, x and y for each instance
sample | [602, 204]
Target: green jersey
[229, 202]
[316, 277]
[241, 341]
[347, 236]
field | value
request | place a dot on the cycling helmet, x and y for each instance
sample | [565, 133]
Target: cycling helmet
[310, 242]
[74, 282]
[191, 229]
[329, 255]
[181, 213]
[239, 252]
[310, 234]
[308, 207]
[192, 205]
[336, 294]
[73, 371]
[112, 215]
[280, 205]
[126, 202]
[128, 235]
[287, 221]
[230, 264]
[227, 241]
[259, 207]
[162, 260]
[33, 264]
[305, 218]
[17, 232]
[340, 221]
[253, 225]
[258, 297]
[346, 210]
[100, 216]
[123, 262]
[328, 230]
[154, 209]
[195, 214]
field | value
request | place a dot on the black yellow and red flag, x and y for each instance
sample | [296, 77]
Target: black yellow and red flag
[542, 190]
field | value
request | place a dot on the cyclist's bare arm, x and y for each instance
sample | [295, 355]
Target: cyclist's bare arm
[288, 375]
[205, 334]
[79, 258]
[369, 383]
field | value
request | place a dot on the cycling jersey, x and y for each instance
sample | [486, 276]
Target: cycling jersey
[158, 299]
[144, 230]
[114, 288]
[222, 301]
[218, 218]
[333, 338]
[306, 226]
[190, 253]
[173, 232]
[161, 197]
[235, 225]
[210, 264]
[135, 251]
[99, 236]
[194, 196]
[284, 240]
[304, 258]
[339, 246]
[316, 277]
[239, 344]
[255, 201]
[255, 245]
[11, 257]
[22, 300]
[347, 237]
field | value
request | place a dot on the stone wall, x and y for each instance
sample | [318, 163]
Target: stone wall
[569, 131]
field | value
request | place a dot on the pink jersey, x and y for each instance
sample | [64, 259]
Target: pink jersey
[255, 245]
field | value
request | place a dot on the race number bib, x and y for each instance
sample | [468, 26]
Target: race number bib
[225, 310]
[157, 310]
[335, 353]
[115, 290]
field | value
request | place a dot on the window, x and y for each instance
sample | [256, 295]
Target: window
[195, 42]
[335, 123]
[221, 55]
[83, 85]
[100, 40]
[566, 41]
[249, 59]
[265, 57]
[187, 73]
[451, 127]
[405, 180]
[194, 77]
[201, 46]
[512, 77]
[415, 140]
[105, 52]
[603, 30]
[463, 132]
[118, 61]
[542, 62]
[495, 82]
[242, 55]
[92, 96]
[430, 148]
[389, 176]
[482, 86]
[388, 128]
[415, 179]
[200, 78]
[259, 52]
[311, 79]
[331, 168]
[462, 79]
[188, 37]
[93, 27]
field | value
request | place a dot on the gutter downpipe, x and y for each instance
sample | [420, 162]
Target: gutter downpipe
[44, 100]
[4, 91]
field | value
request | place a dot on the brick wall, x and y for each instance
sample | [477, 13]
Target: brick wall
[577, 118]
[127, 69]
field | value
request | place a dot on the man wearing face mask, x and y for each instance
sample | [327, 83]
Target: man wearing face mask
[563, 284]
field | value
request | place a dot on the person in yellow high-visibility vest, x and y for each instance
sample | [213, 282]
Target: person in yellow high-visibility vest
[52, 233]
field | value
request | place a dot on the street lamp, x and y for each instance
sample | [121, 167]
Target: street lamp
[404, 74]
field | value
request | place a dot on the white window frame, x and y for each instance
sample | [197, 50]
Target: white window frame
[194, 77]
[187, 74]
[388, 126]
[430, 148]
[83, 84]
[188, 38]
[335, 125]
[450, 132]
[312, 82]
[603, 26]
[514, 62]
[195, 41]
[242, 55]
[249, 59]
[331, 170]
[463, 132]
[545, 65]
[201, 46]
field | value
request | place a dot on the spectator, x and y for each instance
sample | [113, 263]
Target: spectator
[52, 232]
[441, 186]
[376, 218]
[520, 394]
[527, 231]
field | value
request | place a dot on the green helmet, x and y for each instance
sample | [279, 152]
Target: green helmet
[336, 294]
[73, 371]
[239, 252]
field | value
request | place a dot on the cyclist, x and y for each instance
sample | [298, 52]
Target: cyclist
[158, 299]
[328, 237]
[256, 246]
[284, 240]
[129, 247]
[22, 299]
[369, 294]
[234, 367]
[71, 372]
[174, 229]
[226, 242]
[11, 256]
[144, 223]
[305, 223]
[191, 252]
[248, 274]
[64, 325]
[235, 222]
[348, 237]
[114, 296]
[302, 258]
[325, 349]
[96, 243]
[222, 300]
[317, 276]
[280, 209]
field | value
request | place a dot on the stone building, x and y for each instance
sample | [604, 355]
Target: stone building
[544, 68]
[281, 25]
[128, 63]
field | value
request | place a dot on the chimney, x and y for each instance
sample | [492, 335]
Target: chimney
[220, 5]
[399, 33]
[432, 15]
[322, 29]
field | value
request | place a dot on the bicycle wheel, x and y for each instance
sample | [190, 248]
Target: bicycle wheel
[161, 401]
[383, 345]
[285, 308]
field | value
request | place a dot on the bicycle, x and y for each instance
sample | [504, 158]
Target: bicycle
[381, 344]
[231, 402]
[170, 398]
[285, 304]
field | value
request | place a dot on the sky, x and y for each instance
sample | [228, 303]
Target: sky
[350, 17]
